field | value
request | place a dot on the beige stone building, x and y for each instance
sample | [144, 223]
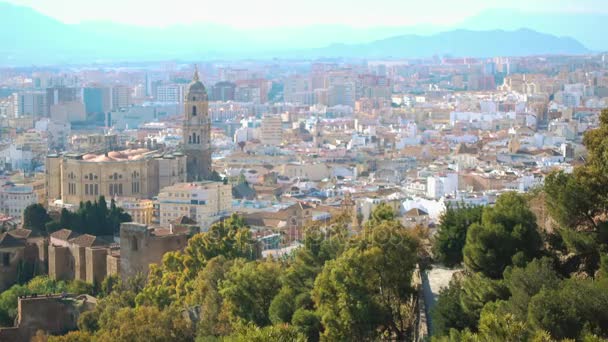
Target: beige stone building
[138, 173]
[74, 256]
[141, 246]
[204, 202]
[313, 172]
[89, 258]
[271, 131]
[141, 210]
[53, 314]
[19, 249]
[196, 131]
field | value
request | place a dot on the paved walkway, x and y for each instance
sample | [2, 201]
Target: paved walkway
[432, 282]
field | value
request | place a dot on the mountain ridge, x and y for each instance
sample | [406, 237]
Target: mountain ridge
[44, 40]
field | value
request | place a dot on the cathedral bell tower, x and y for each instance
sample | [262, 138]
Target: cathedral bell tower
[197, 131]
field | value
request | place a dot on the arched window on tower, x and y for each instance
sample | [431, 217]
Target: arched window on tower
[194, 138]
[193, 110]
[198, 139]
[134, 244]
[189, 140]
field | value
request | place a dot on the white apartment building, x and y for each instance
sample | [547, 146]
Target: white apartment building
[205, 202]
[170, 93]
[440, 186]
[29, 103]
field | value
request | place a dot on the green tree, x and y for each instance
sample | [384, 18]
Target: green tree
[35, 218]
[72, 336]
[493, 327]
[447, 312]
[524, 283]
[367, 290]
[571, 200]
[383, 212]
[248, 290]
[282, 306]
[479, 290]
[307, 323]
[173, 279]
[215, 176]
[576, 308]
[92, 218]
[452, 232]
[146, 324]
[507, 233]
[253, 333]
[205, 295]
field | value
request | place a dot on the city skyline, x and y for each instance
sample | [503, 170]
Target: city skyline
[265, 170]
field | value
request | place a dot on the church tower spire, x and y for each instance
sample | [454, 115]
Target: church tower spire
[195, 77]
[196, 131]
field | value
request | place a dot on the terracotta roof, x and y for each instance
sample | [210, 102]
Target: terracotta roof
[464, 149]
[64, 234]
[414, 212]
[20, 233]
[86, 240]
[184, 220]
[8, 241]
[263, 219]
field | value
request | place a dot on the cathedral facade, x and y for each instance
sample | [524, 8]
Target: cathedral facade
[197, 131]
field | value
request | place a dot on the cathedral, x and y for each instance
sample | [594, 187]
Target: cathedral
[197, 131]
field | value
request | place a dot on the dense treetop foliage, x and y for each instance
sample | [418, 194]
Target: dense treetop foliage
[452, 233]
[525, 283]
[93, 218]
[338, 286]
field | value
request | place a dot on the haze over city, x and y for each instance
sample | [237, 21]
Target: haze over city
[303, 170]
[275, 13]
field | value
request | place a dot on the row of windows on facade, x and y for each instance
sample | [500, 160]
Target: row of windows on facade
[93, 189]
[92, 176]
[11, 211]
[181, 194]
[200, 217]
[15, 197]
[188, 208]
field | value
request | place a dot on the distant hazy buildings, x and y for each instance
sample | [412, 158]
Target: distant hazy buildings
[121, 97]
[60, 95]
[271, 131]
[223, 91]
[173, 93]
[97, 99]
[30, 103]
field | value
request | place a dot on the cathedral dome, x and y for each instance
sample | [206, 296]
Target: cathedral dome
[196, 86]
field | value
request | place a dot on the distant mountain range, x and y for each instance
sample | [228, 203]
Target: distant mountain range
[588, 28]
[522, 42]
[29, 37]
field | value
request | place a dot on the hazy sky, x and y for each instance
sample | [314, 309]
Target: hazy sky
[258, 13]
